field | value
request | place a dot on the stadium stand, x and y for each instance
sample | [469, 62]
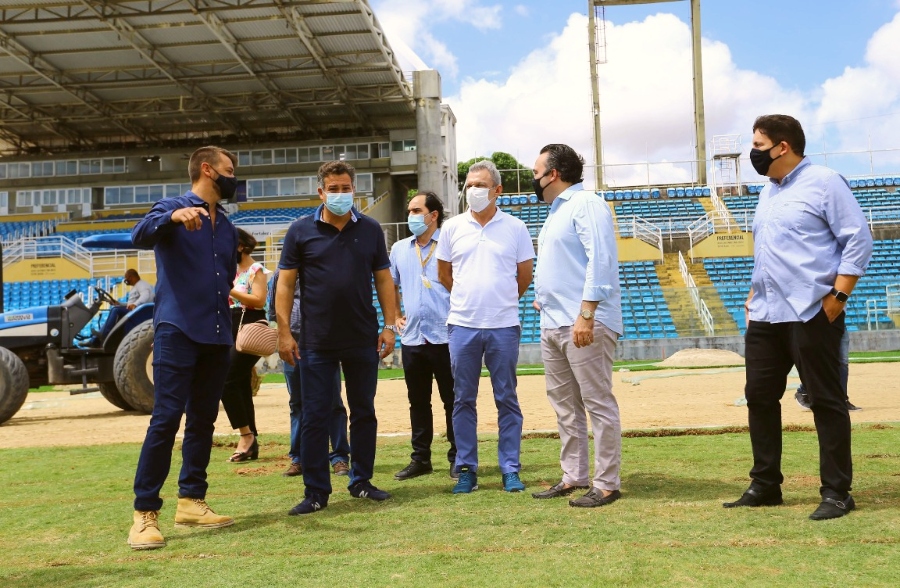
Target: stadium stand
[278, 215]
[731, 277]
[644, 311]
[10, 230]
[670, 214]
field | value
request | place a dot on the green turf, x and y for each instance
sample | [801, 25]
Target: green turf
[65, 513]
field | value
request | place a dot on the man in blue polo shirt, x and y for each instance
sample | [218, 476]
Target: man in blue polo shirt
[194, 243]
[336, 252]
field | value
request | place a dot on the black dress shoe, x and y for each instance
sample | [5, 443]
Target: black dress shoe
[594, 498]
[831, 508]
[756, 497]
[557, 491]
[415, 468]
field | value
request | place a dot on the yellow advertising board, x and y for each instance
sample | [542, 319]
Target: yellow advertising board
[725, 245]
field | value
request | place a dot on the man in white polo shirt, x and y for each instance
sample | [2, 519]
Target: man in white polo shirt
[485, 259]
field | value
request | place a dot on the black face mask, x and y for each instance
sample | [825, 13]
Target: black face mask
[761, 160]
[227, 186]
[536, 186]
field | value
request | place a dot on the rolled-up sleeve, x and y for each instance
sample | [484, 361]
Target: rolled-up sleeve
[595, 231]
[849, 225]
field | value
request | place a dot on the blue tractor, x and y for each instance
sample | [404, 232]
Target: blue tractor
[40, 346]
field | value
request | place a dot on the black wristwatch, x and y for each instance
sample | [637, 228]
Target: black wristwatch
[841, 296]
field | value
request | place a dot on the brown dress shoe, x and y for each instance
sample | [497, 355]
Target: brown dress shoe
[341, 468]
[295, 470]
[557, 491]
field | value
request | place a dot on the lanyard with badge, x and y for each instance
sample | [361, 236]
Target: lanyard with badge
[425, 281]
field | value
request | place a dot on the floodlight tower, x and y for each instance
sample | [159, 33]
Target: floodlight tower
[596, 59]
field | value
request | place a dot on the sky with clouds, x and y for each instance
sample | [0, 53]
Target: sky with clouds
[516, 75]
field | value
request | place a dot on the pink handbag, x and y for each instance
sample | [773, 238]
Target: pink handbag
[256, 338]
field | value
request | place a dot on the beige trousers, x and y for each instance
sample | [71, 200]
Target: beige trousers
[579, 383]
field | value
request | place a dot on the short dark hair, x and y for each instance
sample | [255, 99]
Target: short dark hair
[781, 127]
[335, 168]
[433, 203]
[566, 161]
[132, 273]
[247, 241]
[209, 154]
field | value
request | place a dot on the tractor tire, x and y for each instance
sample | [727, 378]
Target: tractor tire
[133, 368]
[111, 392]
[13, 384]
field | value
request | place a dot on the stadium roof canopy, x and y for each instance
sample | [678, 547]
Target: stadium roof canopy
[97, 75]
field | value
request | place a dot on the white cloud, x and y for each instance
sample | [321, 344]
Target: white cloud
[523, 10]
[647, 99]
[414, 20]
[860, 109]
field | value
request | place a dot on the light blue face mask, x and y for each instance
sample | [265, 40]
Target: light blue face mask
[417, 224]
[339, 203]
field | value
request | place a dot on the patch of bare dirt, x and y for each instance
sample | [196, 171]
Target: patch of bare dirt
[647, 400]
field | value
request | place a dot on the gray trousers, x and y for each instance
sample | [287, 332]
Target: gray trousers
[579, 383]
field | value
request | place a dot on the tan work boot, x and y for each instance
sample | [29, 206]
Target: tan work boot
[194, 512]
[144, 532]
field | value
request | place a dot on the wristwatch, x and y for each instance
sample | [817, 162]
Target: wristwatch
[587, 314]
[841, 296]
[391, 328]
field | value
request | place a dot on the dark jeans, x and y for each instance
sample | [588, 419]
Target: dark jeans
[188, 379]
[318, 370]
[114, 315]
[337, 430]
[421, 365]
[237, 397]
[814, 347]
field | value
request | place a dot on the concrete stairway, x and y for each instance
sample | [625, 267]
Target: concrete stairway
[684, 315]
[722, 320]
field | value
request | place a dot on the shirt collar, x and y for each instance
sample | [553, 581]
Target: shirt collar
[805, 162]
[567, 194]
[471, 216]
[319, 212]
[197, 201]
[435, 237]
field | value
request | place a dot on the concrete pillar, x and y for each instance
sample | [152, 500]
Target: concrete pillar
[429, 146]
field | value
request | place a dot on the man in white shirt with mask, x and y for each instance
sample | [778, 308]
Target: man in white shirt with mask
[485, 259]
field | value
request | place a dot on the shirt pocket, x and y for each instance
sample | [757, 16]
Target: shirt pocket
[790, 214]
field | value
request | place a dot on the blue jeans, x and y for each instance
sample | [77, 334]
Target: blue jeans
[114, 315]
[500, 350]
[337, 432]
[318, 371]
[188, 380]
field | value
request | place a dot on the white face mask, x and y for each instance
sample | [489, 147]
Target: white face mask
[478, 198]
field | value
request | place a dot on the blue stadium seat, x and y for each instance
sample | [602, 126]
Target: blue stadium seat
[853, 184]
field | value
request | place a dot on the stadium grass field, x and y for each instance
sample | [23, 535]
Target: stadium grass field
[66, 512]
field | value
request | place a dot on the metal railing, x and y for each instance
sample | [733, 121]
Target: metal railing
[706, 318]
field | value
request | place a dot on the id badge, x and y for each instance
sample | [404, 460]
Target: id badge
[425, 281]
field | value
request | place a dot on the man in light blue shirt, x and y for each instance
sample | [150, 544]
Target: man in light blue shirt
[425, 349]
[577, 290]
[811, 245]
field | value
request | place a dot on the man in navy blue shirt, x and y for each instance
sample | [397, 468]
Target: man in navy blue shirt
[336, 252]
[195, 246]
